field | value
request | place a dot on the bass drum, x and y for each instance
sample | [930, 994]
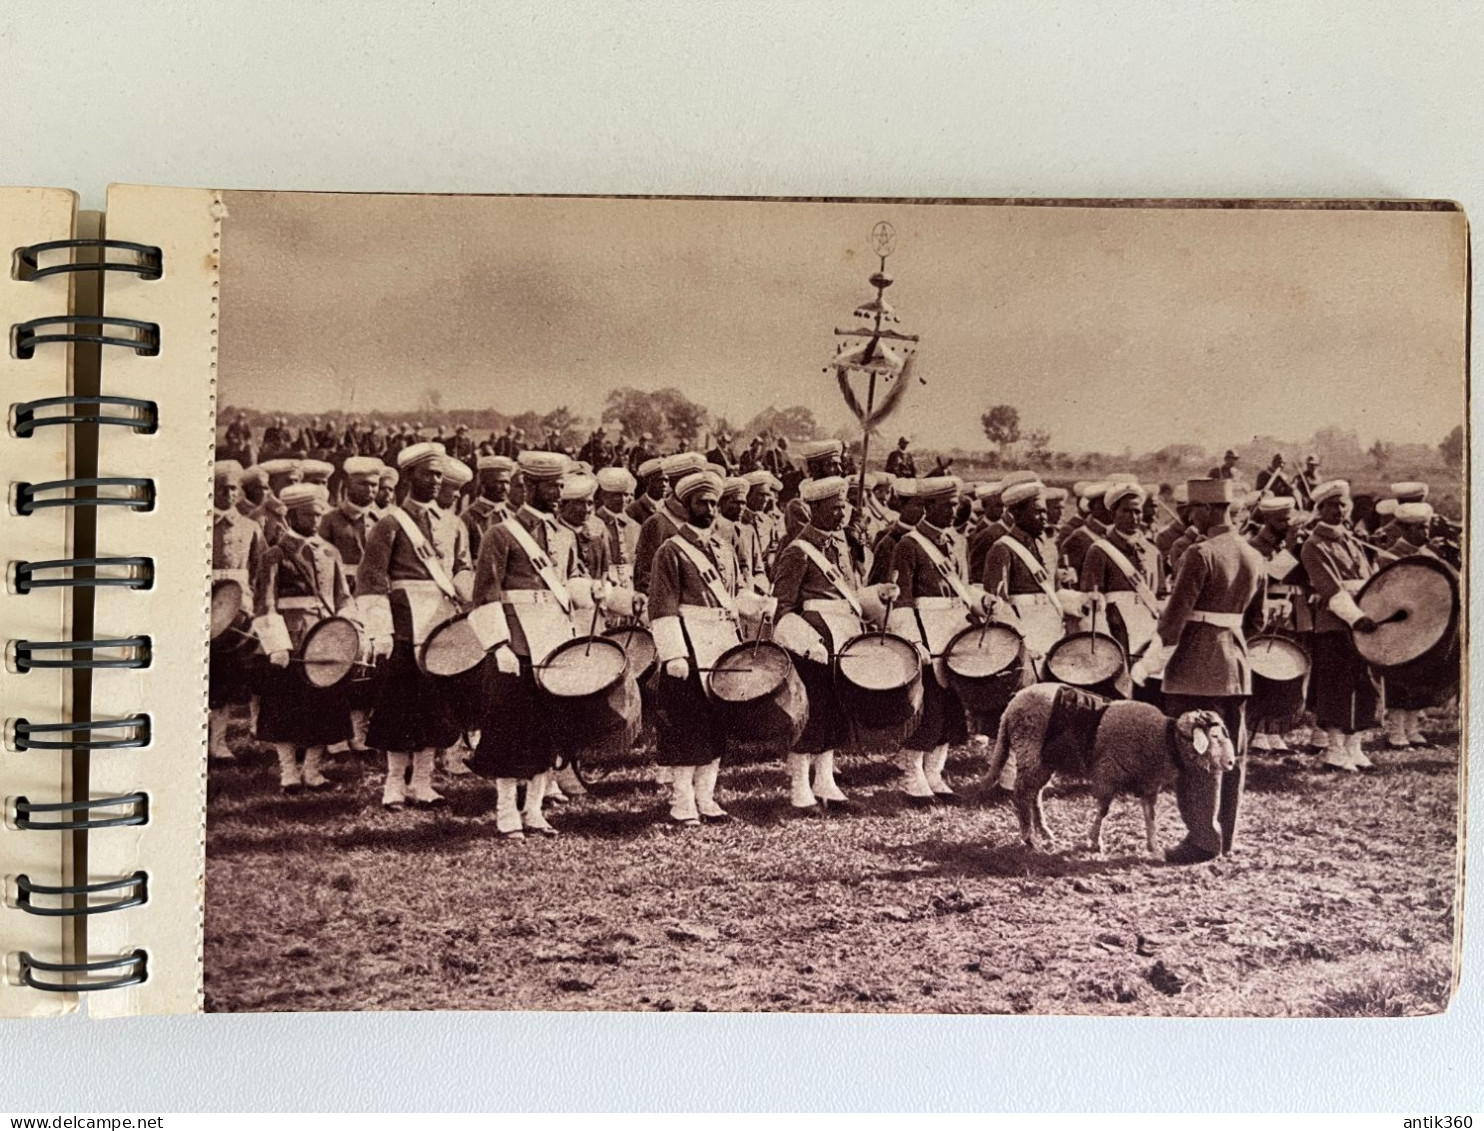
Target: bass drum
[878, 682]
[1280, 680]
[595, 697]
[759, 699]
[1093, 661]
[1415, 604]
[330, 650]
[986, 665]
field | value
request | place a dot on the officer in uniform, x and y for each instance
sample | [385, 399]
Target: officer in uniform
[727, 528]
[822, 603]
[305, 582]
[238, 550]
[493, 504]
[1217, 598]
[1345, 693]
[405, 588]
[694, 619]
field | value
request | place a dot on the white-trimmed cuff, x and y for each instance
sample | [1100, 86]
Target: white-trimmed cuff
[1343, 606]
[669, 640]
[272, 633]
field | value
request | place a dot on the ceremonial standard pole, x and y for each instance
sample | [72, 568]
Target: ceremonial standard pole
[864, 349]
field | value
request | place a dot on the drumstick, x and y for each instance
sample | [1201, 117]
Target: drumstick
[592, 629]
[886, 617]
[1092, 637]
[767, 620]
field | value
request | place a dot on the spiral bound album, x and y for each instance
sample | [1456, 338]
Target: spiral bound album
[973, 606]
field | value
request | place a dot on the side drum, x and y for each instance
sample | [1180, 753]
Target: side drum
[985, 666]
[231, 627]
[1093, 661]
[1280, 677]
[878, 681]
[758, 698]
[595, 695]
[330, 649]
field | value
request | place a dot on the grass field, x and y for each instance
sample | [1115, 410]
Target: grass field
[1339, 902]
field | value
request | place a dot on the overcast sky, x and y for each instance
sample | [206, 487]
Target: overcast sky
[1111, 327]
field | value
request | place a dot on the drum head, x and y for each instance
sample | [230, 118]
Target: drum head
[1424, 598]
[879, 661]
[226, 604]
[330, 650]
[583, 667]
[452, 648]
[749, 672]
[1085, 659]
[1277, 659]
[978, 653]
[638, 643]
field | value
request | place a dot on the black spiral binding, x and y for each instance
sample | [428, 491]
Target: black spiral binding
[148, 264]
[132, 732]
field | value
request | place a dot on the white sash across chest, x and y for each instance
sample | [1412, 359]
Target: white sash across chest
[541, 560]
[1031, 562]
[708, 571]
[945, 570]
[831, 572]
[425, 552]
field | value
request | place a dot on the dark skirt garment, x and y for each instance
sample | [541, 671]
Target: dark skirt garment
[290, 710]
[1345, 693]
[414, 711]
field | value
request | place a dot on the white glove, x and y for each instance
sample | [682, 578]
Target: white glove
[888, 592]
[279, 659]
[581, 589]
[463, 588]
[506, 661]
[678, 668]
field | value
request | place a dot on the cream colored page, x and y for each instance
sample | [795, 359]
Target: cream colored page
[172, 690]
[29, 216]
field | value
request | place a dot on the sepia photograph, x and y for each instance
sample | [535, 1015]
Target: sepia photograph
[932, 606]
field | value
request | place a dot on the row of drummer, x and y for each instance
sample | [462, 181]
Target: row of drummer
[419, 569]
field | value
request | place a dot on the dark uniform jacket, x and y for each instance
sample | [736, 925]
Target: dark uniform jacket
[299, 568]
[238, 547]
[479, 516]
[1074, 547]
[1006, 575]
[1332, 556]
[980, 541]
[347, 532]
[504, 565]
[1101, 573]
[915, 573]
[797, 579]
[667, 518]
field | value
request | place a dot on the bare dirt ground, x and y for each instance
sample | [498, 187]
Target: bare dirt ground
[1339, 901]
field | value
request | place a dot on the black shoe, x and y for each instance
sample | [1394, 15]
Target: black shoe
[842, 806]
[946, 798]
[716, 818]
[1187, 853]
[922, 802]
[815, 810]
